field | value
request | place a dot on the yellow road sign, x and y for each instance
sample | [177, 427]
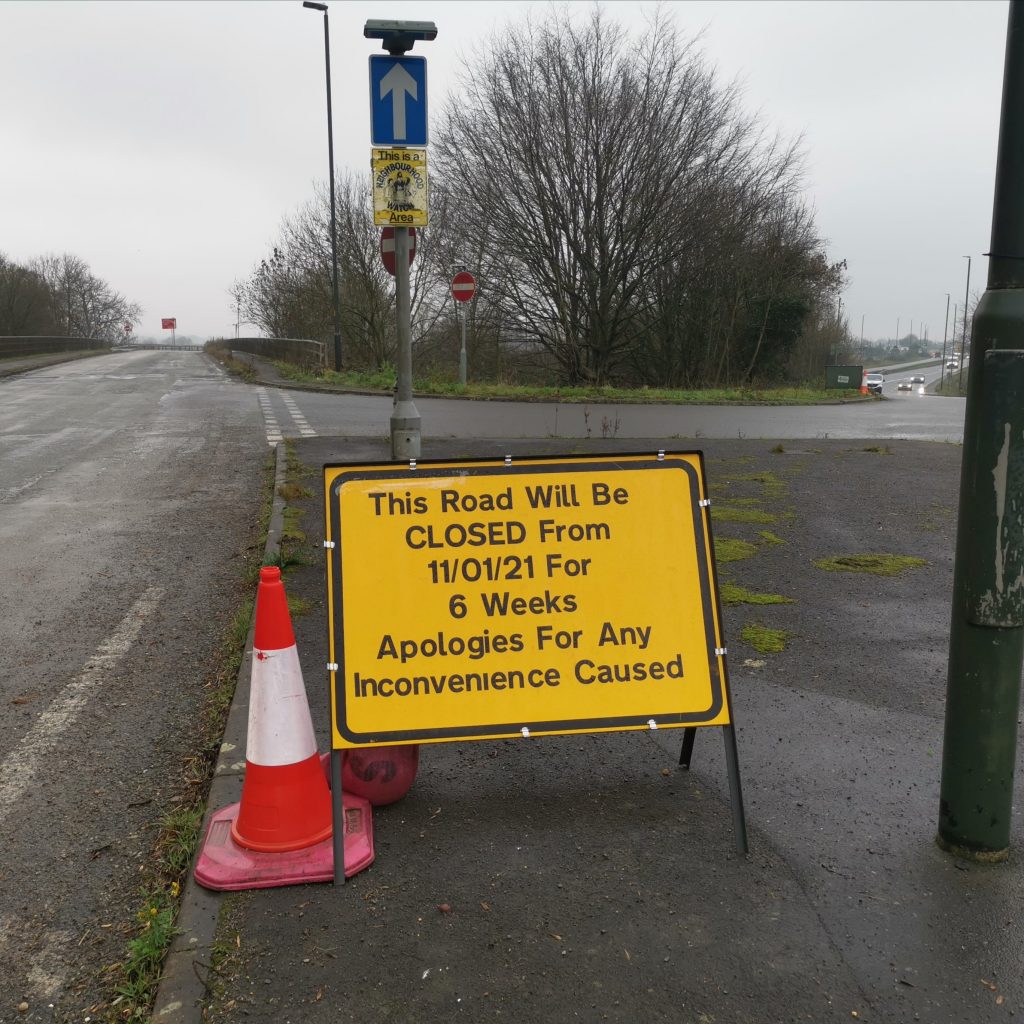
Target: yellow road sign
[399, 187]
[480, 600]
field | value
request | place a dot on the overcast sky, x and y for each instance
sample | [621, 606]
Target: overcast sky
[163, 142]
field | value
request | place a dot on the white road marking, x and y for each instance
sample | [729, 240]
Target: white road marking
[270, 424]
[50, 964]
[275, 433]
[300, 421]
[21, 765]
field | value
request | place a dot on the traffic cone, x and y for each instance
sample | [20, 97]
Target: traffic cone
[286, 804]
[280, 832]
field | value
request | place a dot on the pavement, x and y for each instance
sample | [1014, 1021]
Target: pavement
[590, 877]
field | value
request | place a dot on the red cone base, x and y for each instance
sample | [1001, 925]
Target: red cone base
[223, 865]
[284, 807]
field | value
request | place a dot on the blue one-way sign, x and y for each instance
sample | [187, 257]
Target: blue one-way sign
[398, 100]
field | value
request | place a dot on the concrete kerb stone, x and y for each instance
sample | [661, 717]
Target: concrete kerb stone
[183, 985]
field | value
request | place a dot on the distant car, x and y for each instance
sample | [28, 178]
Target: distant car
[905, 385]
[917, 379]
[953, 365]
[873, 382]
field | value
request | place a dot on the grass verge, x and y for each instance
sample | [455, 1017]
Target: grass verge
[384, 380]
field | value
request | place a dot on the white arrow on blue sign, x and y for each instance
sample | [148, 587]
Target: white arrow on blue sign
[398, 100]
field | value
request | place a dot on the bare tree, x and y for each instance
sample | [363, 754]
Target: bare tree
[24, 301]
[81, 304]
[290, 293]
[630, 202]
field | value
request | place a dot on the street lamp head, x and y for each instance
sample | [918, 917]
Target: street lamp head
[398, 37]
[314, 7]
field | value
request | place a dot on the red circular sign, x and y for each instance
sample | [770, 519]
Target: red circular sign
[463, 286]
[387, 248]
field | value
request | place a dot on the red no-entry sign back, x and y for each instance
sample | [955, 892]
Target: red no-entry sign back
[463, 286]
[387, 248]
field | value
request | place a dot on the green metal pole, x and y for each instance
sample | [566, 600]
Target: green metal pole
[986, 644]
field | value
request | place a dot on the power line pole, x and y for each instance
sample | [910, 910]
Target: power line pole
[986, 643]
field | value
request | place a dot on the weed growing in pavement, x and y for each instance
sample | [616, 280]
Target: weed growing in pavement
[777, 450]
[140, 970]
[179, 833]
[878, 449]
[732, 594]
[298, 605]
[767, 537]
[287, 558]
[877, 565]
[729, 514]
[763, 639]
[772, 486]
[291, 531]
[294, 491]
[729, 550]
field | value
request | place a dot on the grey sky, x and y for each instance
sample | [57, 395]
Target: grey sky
[164, 141]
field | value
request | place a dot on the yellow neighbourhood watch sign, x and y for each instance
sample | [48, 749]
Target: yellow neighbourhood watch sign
[476, 600]
[399, 187]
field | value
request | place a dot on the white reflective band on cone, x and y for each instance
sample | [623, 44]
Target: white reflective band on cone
[280, 726]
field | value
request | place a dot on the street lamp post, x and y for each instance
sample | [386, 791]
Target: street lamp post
[963, 341]
[330, 164]
[945, 332]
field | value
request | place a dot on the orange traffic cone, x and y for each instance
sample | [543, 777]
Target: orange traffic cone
[281, 832]
[286, 802]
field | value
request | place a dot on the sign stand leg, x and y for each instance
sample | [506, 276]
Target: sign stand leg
[689, 735]
[732, 763]
[338, 813]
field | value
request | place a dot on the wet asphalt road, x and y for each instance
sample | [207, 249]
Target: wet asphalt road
[908, 416]
[129, 486]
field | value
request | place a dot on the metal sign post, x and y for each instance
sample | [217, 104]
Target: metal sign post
[463, 289]
[399, 126]
[405, 417]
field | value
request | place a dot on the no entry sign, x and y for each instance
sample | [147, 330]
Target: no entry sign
[387, 248]
[463, 286]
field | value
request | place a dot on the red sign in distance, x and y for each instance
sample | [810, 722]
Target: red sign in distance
[387, 248]
[168, 323]
[463, 286]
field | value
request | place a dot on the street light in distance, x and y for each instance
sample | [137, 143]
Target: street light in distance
[330, 163]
